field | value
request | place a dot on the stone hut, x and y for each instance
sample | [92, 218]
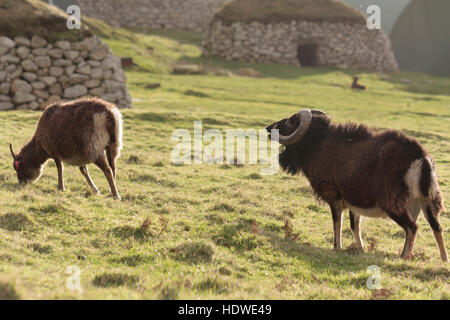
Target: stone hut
[40, 66]
[193, 15]
[326, 33]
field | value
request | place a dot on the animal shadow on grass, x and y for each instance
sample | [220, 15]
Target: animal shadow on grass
[15, 221]
[8, 291]
[13, 186]
[353, 260]
[327, 259]
[426, 274]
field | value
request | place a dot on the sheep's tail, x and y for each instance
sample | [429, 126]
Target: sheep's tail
[429, 187]
[115, 131]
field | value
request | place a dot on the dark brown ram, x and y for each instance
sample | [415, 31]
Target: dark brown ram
[77, 133]
[374, 174]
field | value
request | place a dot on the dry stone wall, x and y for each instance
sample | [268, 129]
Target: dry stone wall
[34, 73]
[338, 44]
[192, 15]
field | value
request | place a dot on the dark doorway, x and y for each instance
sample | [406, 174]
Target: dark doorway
[307, 55]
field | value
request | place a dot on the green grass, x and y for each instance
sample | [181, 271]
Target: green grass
[200, 231]
[285, 11]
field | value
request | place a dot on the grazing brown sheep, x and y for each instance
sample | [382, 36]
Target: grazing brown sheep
[374, 174]
[356, 85]
[77, 133]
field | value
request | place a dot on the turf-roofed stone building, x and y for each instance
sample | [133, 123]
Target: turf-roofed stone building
[298, 32]
[42, 62]
[193, 15]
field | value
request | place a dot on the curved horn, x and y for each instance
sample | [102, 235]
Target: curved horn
[320, 112]
[305, 118]
[12, 152]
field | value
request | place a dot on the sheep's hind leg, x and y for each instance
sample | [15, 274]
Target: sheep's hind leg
[102, 163]
[355, 224]
[433, 221]
[85, 173]
[60, 168]
[111, 153]
[410, 226]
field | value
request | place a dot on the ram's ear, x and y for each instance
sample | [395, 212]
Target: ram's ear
[16, 165]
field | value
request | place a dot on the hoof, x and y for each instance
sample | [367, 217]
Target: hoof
[406, 257]
[118, 198]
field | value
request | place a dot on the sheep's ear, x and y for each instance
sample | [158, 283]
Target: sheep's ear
[16, 165]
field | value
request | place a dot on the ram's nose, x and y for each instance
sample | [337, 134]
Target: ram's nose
[269, 128]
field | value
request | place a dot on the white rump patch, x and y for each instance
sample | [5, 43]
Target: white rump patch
[100, 137]
[434, 184]
[413, 176]
[118, 119]
[412, 179]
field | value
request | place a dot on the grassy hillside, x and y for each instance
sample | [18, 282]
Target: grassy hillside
[220, 231]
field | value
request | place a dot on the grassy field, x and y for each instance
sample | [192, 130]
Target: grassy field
[220, 231]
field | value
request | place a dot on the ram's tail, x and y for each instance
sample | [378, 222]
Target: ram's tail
[432, 203]
[430, 189]
[115, 131]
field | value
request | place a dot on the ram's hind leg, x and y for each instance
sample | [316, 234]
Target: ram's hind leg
[433, 221]
[355, 224]
[102, 163]
[85, 173]
[111, 154]
[404, 220]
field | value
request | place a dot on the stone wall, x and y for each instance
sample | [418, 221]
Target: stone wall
[34, 73]
[192, 15]
[338, 44]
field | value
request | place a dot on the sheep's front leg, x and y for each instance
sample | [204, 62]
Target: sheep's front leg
[336, 212]
[60, 168]
[85, 173]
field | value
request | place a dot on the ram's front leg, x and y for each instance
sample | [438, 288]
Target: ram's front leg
[60, 168]
[336, 212]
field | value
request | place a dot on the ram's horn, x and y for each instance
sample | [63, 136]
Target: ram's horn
[305, 118]
[319, 111]
[12, 152]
